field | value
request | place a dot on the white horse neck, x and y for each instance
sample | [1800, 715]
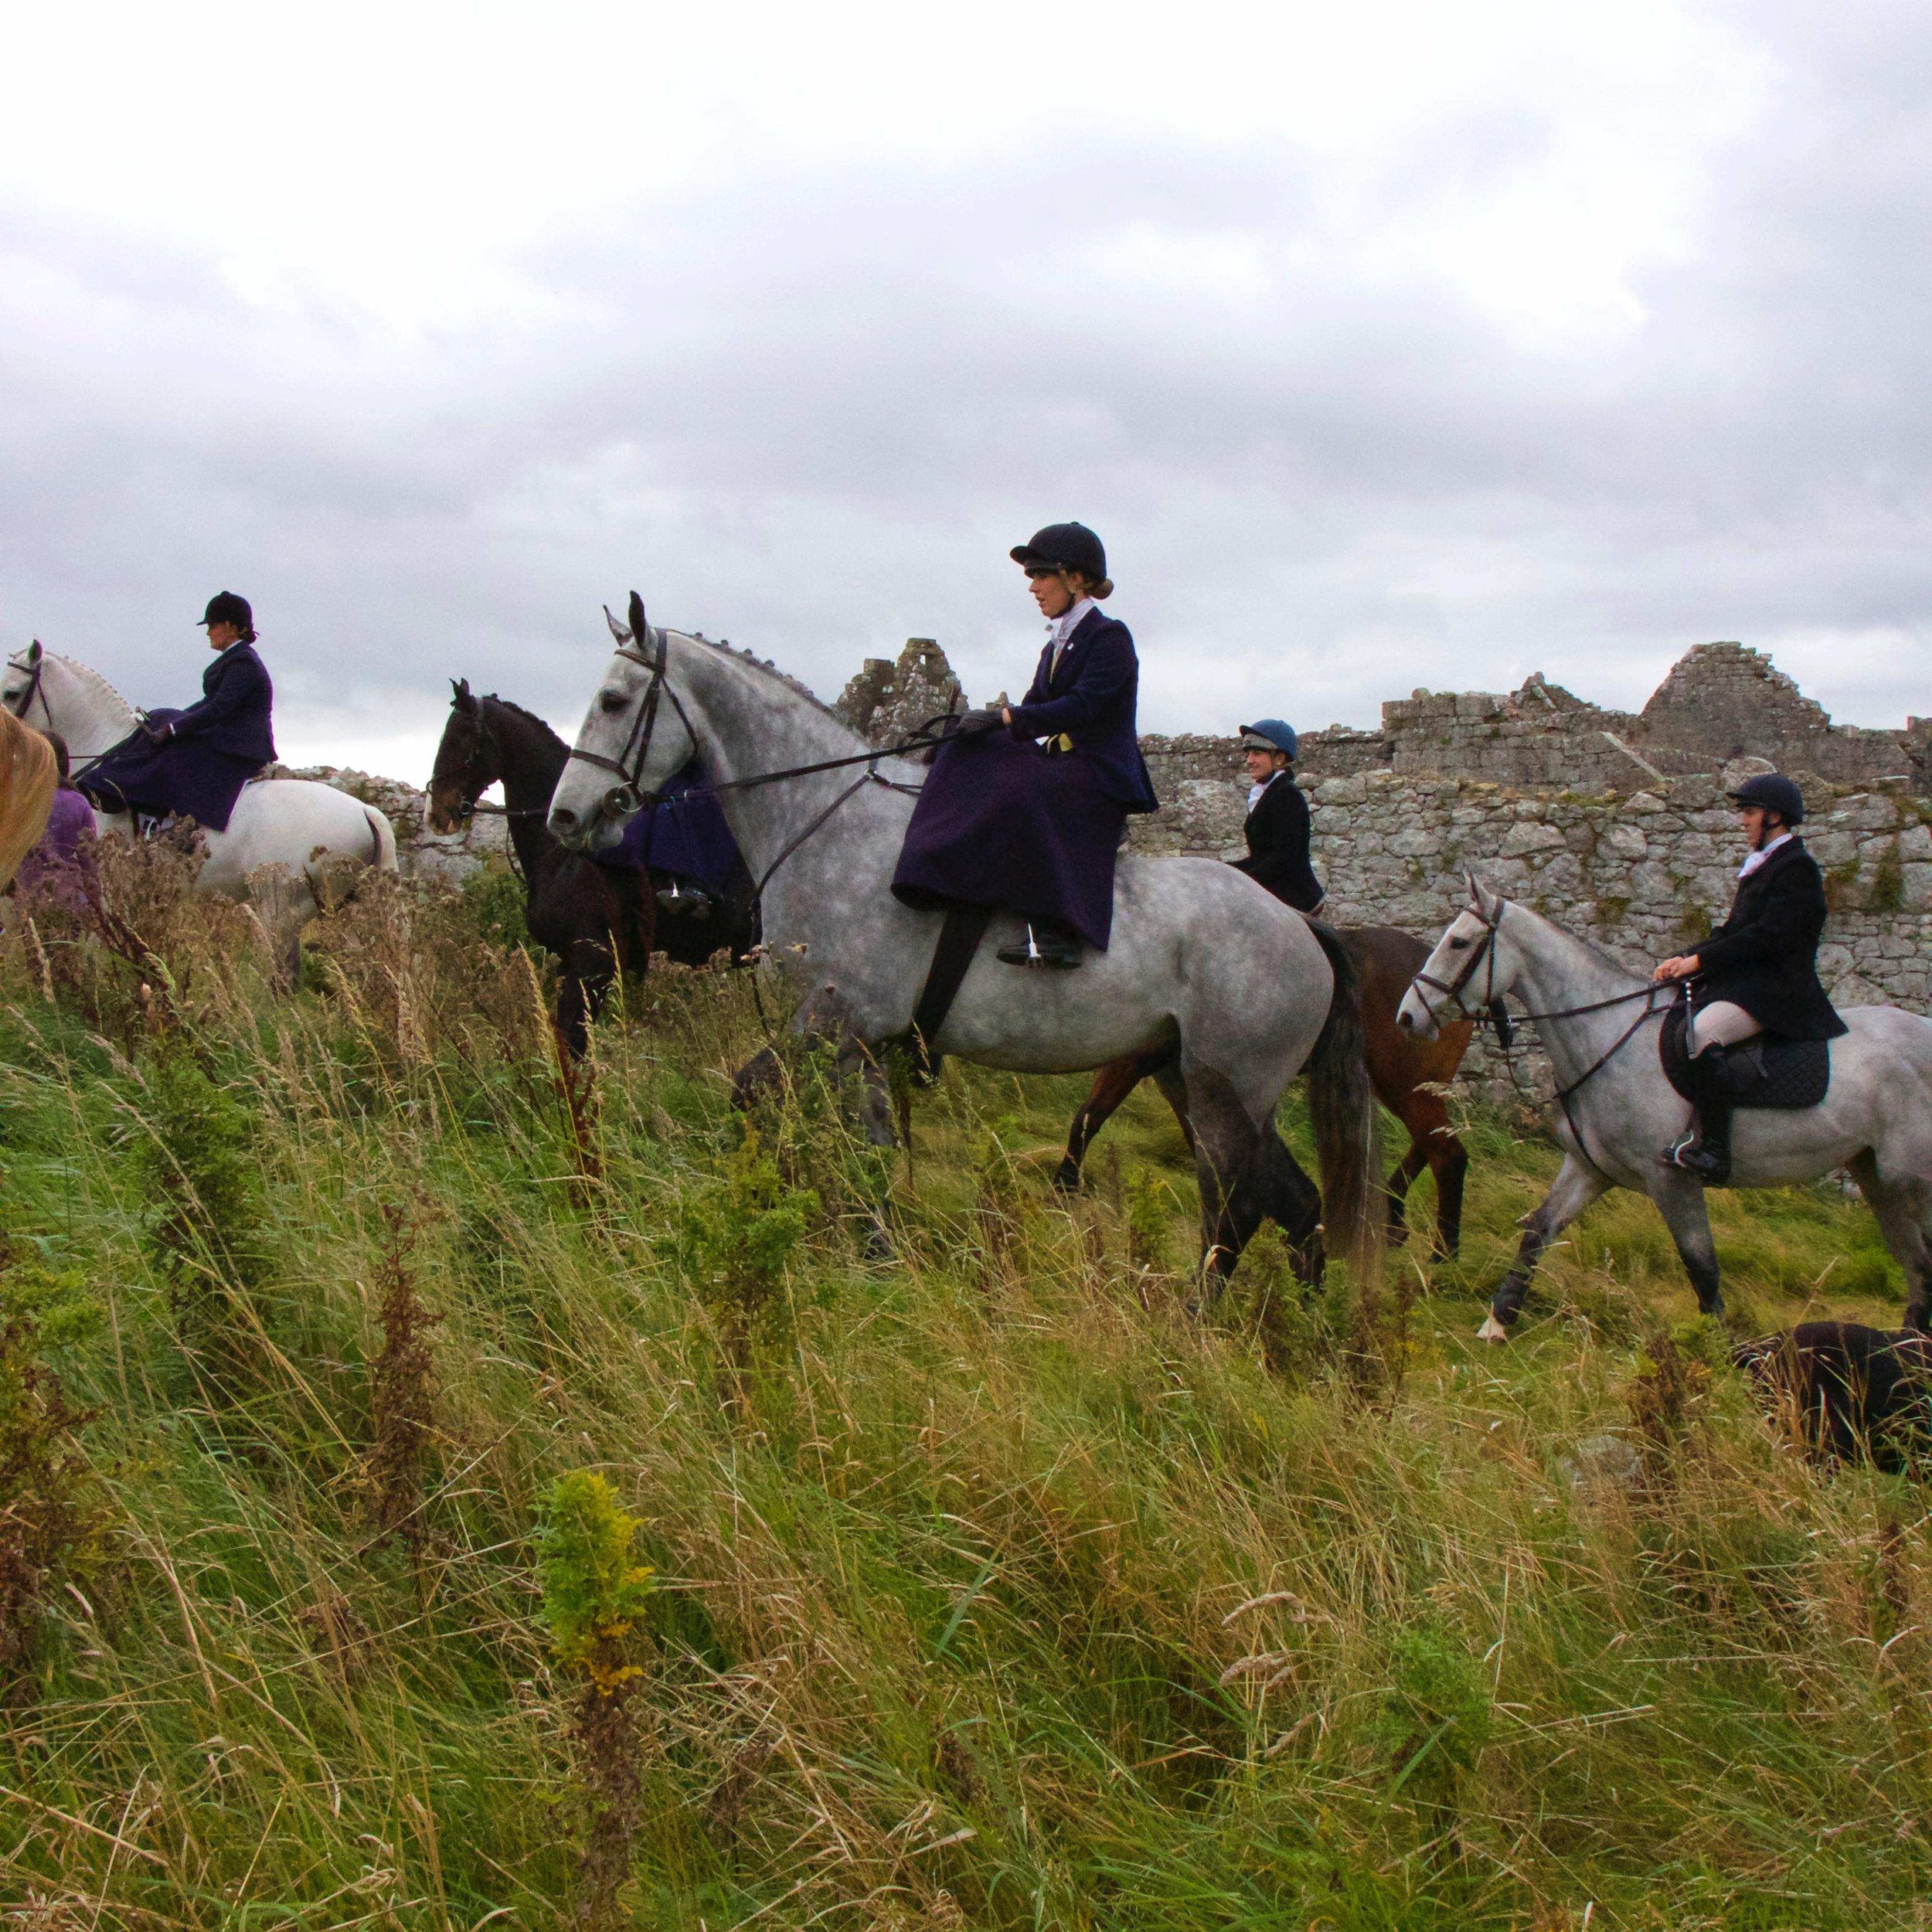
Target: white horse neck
[749, 720]
[1560, 975]
[83, 706]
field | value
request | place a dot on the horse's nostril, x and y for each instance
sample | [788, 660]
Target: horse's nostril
[563, 817]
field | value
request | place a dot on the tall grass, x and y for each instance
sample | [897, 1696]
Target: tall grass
[985, 1587]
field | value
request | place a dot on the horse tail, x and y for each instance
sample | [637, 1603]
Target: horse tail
[382, 839]
[1341, 1107]
[27, 784]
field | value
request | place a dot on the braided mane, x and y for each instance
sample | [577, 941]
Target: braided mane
[765, 668]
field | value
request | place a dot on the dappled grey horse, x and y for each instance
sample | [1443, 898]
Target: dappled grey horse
[1201, 958]
[1599, 1024]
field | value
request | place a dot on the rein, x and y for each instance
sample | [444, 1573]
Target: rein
[76, 767]
[1487, 951]
[630, 794]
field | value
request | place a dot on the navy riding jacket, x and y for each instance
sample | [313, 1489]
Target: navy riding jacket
[1090, 698]
[1764, 957]
[233, 717]
[1277, 831]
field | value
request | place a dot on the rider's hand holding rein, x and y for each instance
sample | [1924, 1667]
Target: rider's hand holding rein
[1680, 967]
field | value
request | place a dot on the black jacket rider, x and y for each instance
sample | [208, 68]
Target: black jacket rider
[1277, 835]
[1764, 957]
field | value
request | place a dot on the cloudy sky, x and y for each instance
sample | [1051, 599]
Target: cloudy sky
[1401, 344]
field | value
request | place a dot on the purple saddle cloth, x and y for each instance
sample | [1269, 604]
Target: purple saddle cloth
[684, 833]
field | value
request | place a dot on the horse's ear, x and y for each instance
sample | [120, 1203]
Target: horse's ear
[462, 699]
[640, 628]
[34, 653]
[1486, 900]
[617, 630]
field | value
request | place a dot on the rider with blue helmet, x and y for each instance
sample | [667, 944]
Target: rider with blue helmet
[1277, 826]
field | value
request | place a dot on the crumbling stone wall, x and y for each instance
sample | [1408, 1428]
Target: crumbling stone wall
[1643, 874]
[887, 703]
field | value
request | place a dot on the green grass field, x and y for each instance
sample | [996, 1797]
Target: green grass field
[988, 1587]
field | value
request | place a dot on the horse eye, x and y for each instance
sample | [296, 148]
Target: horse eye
[614, 701]
[1458, 945]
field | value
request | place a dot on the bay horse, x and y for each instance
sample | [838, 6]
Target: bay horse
[1599, 1024]
[1201, 959]
[301, 833]
[1405, 1072]
[596, 920]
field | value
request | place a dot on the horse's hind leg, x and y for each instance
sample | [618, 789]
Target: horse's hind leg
[1577, 1185]
[1401, 1179]
[1112, 1084]
[1246, 1175]
[1903, 1212]
[1449, 1161]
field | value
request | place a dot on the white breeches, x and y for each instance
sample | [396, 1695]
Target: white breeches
[1723, 1023]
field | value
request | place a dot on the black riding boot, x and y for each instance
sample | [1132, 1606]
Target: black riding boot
[1706, 1151]
[1048, 943]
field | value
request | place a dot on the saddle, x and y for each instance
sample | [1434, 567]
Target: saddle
[1787, 1075]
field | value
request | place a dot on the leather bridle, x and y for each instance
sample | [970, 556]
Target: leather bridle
[627, 768]
[33, 688]
[630, 792]
[1486, 950]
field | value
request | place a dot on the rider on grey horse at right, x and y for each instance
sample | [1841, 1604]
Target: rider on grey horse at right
[1757, 973]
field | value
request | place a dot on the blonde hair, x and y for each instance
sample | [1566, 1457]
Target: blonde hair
[28, 778]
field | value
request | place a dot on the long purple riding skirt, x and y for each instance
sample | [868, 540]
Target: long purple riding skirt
[1000, 822]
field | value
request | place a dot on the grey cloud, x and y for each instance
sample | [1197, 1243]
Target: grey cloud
[811, 413]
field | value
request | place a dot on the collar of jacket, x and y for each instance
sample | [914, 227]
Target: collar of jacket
[1067, 646]
[1785, 846]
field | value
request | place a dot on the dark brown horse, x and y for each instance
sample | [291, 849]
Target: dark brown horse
[597, 920]
[1402, 1069]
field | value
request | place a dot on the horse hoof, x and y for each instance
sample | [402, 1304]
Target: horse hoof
[1491, 1330]
[1067, 1179]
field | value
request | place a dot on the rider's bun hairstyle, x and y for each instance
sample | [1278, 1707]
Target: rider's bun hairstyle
[61, 763]
[1103, 588]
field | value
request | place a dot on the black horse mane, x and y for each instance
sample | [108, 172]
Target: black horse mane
[524, 712]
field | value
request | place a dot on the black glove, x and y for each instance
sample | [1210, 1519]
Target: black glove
[977, 724]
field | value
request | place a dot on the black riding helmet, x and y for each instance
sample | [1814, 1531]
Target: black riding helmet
[224, 607]
[1774, 792]
[1064, 546]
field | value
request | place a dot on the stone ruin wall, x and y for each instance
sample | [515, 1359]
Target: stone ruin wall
[1611, 823]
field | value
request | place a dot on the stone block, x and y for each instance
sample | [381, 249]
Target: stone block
[1915, 842]
[1868, 812]
[1625, 842]
[1917, 879]
[1528, 836]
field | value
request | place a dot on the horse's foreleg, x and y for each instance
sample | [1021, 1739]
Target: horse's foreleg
[1682, 1205]
[1577, 1184]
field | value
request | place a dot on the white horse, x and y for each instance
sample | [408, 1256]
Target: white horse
[284, 835]
[1599, 1024]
